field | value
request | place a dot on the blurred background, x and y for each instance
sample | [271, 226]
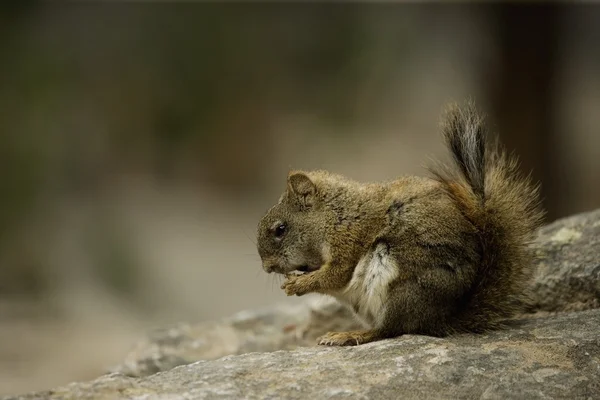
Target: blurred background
[140, 143]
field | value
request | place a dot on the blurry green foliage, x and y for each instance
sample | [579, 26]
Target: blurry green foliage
[88, 91]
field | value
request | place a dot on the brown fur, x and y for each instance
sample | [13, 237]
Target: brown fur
[415, 255]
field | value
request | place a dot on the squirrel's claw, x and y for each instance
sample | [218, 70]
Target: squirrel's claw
[353, 338]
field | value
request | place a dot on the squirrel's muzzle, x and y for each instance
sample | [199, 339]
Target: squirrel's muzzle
[270, 266]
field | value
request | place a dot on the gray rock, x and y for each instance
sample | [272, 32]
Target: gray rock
[281, 327]
[568, 264]
[554, 353]
[540, 358]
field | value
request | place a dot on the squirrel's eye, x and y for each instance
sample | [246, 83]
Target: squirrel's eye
[280, 230]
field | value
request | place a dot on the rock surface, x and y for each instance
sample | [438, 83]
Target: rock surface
[554, 353]
[554, 357]
[568, 264]
[282, 327]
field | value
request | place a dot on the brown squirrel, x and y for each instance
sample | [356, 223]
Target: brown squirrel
[415, 255]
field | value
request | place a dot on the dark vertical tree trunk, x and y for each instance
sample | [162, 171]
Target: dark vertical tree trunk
[522, 94]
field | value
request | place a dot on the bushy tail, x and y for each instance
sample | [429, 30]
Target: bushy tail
[503, 205]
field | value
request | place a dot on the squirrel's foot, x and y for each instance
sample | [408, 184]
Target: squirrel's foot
[298, 284]
[353, 338]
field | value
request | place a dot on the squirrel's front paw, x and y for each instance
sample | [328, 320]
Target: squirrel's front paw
[296, 285]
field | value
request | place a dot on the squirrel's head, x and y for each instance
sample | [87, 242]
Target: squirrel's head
[290, 236]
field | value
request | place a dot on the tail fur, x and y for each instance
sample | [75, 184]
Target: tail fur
[504, 206]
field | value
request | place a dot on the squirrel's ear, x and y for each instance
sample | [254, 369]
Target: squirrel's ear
[302, 188]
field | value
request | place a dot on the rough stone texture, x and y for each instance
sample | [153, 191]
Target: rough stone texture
[568, 266]
[550, 354]
[282, 327]
[552, 358]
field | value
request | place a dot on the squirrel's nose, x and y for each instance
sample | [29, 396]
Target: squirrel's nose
[270, 267]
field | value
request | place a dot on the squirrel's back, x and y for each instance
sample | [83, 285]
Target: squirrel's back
[503, 205]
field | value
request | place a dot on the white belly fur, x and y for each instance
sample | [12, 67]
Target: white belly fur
[367, 290]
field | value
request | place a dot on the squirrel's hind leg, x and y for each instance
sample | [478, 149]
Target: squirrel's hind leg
[352, 338]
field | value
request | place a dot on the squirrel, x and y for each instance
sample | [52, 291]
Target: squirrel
[424, 255]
